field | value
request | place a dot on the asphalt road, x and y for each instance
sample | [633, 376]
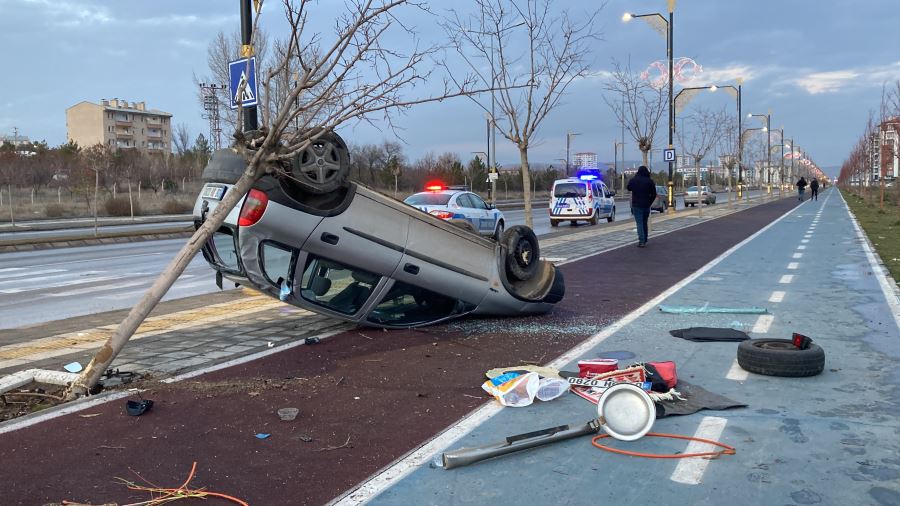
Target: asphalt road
[46, 285]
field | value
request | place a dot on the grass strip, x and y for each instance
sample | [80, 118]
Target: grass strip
[882, 226]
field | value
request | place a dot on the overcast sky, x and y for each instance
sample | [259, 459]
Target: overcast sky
[818, 65]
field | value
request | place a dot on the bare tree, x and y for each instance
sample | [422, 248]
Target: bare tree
[181, 138]
[532, 51]
[637, 104]
[727, 144]
[698, 139]
[349, 78]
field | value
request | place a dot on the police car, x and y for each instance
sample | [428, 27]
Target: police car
[461, 207]
[582, 198]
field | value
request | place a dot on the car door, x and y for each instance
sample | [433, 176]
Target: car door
[467, 208]
[487, 216]
[606, 200]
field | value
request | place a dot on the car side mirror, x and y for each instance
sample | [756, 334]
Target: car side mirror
[491, 206]
[611, 193]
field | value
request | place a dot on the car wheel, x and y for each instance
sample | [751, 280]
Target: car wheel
[779, 357]
[323, 166]
[554, 223]
[612, 217]
[463, 224]
[593, 220]
[522, 252]
[498, 233]
[573, 222]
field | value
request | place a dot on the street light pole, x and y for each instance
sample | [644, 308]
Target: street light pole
[569, 136]
[250, 122]
[768, 131]
[670, 42]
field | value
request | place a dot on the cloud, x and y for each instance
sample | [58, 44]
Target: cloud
[725, 75]
[70, 13]
[834, 81]
[190, 19]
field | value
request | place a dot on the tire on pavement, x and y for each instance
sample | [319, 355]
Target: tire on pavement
[522, 252]
[779, 357]
[463, 224]
[323, 166]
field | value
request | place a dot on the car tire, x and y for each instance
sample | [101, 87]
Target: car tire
[523, 254]
[463, 224]
[323, 166]
[498, 232]
[779, 357]
[554, 223]
[612, 217]
[224, 166]
[593, 220]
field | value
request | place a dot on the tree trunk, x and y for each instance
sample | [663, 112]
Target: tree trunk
[12, 215]
[96, 190]
[645, 156]
[130, 200]
[108, 352]
[526, 186]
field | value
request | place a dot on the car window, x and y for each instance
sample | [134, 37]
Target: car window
[463, 200]
[336, 286]
[596, 189]
[568, 190]
[428, 199]
[661, 190]
[477, 203]
[276, 262]
[692, 189]
[224, 250]
[405, 304]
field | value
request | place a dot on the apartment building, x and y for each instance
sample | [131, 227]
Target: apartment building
[888, 149]
[120, 124]
[586, 159]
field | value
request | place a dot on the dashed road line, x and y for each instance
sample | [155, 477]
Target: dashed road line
[787, 278]
[797, 255]
[777, 296]
[801, 247]
[793, 265]
[737, 373]
[762, 324]
[690, 471]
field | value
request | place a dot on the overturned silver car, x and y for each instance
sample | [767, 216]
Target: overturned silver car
[322, 243]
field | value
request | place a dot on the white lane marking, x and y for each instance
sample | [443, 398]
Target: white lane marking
[794, 265]
[402, 467]
[777, 296]
[807, 236]
[31, 273]
[889, 289]
[801, 247]
[804, 241]
[690, 471]
[65, 283]
[101, 288]
[787, 278]
[762, 324]
[737, 373]
[797, 255]
[9, 269]
[98, 258]
[45, 278]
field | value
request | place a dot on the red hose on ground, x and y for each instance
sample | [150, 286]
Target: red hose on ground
[729, 450]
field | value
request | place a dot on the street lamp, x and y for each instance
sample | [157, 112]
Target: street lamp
[569, 136]
[664, 27]
[780, 164]
[768, 117]
[745, 132]
[616, 145]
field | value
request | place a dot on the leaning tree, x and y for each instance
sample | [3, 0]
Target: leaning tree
[347, 75]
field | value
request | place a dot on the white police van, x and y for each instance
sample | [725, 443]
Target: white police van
[582, 198]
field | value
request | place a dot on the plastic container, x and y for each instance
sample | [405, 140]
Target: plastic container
[288, 414]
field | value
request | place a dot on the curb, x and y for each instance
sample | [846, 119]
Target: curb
[107, 238]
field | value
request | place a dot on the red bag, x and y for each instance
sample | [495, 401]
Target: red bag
[666, 371]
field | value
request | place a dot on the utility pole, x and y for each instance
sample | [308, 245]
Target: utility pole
[209, 92]
[250, 122]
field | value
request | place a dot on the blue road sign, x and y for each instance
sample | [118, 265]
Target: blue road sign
[241, 72]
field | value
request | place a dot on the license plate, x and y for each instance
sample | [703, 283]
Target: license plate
[213, 192]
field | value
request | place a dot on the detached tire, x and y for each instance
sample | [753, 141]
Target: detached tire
[323, 166]
[779, 357]
[523, 255]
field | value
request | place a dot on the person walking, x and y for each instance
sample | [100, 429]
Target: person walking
[814, 189]
[643, 193]
[801, 187]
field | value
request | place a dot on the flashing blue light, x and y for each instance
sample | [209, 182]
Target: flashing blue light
[587, 177]
[589, 174]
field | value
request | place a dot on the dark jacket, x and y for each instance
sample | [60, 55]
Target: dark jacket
[642, 188]
[801, 184]
[814, 184]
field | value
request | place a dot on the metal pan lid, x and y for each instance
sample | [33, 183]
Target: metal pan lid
[626, 412]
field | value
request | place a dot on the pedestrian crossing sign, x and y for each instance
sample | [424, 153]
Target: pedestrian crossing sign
[243, 72]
